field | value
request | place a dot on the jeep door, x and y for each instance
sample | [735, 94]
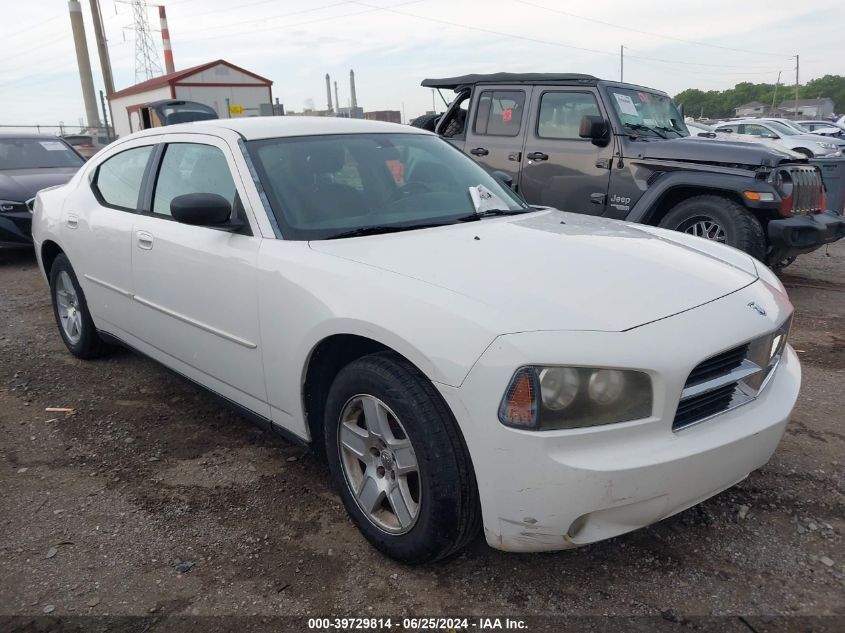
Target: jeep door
[495, 133]
[560, 169]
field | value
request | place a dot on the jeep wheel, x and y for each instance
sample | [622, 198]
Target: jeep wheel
[718, 219]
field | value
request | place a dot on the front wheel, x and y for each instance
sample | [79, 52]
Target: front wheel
[720, 220]
[398, 460]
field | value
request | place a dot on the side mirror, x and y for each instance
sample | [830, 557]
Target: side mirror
[503, 177]
[594, 128]
[203, 209]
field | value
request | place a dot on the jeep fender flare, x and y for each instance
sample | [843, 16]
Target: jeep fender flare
[704, 182]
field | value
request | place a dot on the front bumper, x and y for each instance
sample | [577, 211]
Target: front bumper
[15, 229]
[554, 490]
[803, 234]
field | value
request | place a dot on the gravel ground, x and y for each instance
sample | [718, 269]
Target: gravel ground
[152, 499]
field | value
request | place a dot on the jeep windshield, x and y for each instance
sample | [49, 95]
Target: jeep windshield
[647, 113]
[350, 185]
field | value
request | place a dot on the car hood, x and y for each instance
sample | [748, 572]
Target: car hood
[557, 271]
[22, 184]
[772, 145]
[702, 150]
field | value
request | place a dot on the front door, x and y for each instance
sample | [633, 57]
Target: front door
[195, 287]
[495, 134]
[560, 169]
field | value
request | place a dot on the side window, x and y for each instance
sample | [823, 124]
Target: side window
[118, 179]
[191, 168]
[499, 112]
[561, 112]
[758, 130]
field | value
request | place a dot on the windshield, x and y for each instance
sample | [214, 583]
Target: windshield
[782, 129]
[648, 112]
[35, 153]
[324, 186]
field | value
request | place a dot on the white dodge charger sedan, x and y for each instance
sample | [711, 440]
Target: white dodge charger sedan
[461, 358]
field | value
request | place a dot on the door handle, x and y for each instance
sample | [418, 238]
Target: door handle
[479, 151]
[537, 156]
[145, 240]
[72, 221]
[516, 156]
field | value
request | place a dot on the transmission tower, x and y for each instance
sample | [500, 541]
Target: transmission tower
[147, 64]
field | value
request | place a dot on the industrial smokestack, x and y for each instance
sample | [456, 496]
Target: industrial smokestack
[84, 63]
[336, 98]
[329, 91]
[165, 41]
[352, 89]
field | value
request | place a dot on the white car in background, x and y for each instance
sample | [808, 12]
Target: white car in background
[461, 357]
[798, 126]
[702, 130]
[810, 145]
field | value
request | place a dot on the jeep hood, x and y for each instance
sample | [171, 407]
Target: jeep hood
[702, 150]
[556, 271]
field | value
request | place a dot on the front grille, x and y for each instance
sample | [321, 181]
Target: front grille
[729, 379]
[807, 192]
[704, 406]
[720, 364]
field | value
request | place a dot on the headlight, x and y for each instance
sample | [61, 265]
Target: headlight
[545, 398]
[826, 145]
[12, 205]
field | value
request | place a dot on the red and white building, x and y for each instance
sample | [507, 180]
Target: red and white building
[218, 84]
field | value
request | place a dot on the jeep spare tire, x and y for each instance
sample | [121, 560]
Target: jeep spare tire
[718, 219]
[426, 122]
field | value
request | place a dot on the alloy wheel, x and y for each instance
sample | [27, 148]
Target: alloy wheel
[379, 464]
[704, 227]
[70, 312]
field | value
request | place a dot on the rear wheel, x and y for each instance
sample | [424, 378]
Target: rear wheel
[71, 312]
[720, 220]
[398, 460]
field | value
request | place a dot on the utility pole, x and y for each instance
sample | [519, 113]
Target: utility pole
[433, 103]
[775, 96]
[621, 63]
[147, 65]
[84, 63]
[105, 115]
[796, 86]
[102, 47]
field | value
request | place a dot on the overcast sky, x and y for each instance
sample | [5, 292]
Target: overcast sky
[394, 44]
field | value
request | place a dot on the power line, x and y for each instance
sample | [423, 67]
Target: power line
[536, 40]
[633, 30]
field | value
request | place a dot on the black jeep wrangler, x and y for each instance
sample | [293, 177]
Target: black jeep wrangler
[600, 147]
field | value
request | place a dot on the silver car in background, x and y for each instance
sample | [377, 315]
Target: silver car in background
[810, 145]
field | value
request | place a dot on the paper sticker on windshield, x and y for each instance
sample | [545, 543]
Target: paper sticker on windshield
[626, 104]
[53, 146]
[485, 200]
[643, 96]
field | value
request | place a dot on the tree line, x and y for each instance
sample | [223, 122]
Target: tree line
[719, 104]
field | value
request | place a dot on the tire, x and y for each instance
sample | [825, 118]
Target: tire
[440, 499]
[69, 305]
[426, 122]
[735, 225]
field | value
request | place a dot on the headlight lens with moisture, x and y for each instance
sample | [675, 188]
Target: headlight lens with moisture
[546, 398]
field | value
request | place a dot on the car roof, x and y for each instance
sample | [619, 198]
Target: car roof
[514, 78]
[29, 135]
[253, 128]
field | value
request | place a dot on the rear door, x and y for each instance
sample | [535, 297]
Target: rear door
[560, 169]
[495, 134]
[195, 287]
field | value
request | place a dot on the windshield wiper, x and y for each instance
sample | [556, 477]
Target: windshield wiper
[668, 129]
[382, 228]
[639, 126]
[487, 213]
